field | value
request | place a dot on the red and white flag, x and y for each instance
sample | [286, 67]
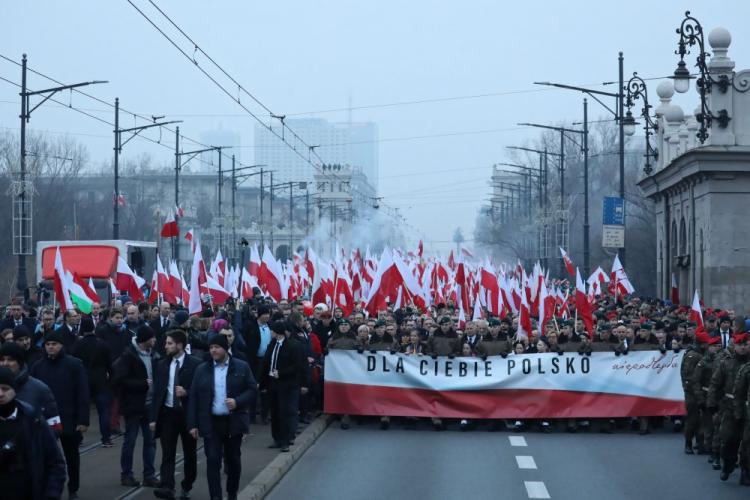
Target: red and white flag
[675, 292]
[218, 293]
[568, 263]
[197, 280]
[583, 306]
[60, 282]
[696, 315]
[169, 229]
[271, 277]
[127, 280]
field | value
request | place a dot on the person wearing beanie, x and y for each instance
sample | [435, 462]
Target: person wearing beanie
[33, 466]
[221, 398]
[132, 374]
[22, 337]
[97, 360]
[30, 390]
[284, 376]
[66, 378]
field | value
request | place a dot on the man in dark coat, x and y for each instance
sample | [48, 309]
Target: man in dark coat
[30, 390]
[132, 375]
[113, 333]
[33, 468]
[161, 325]
[221, 398]
[97, 359]
[284, 376]
[17, 318]
[22, 337]
[173, 377]
[69, 328]
[66, 377]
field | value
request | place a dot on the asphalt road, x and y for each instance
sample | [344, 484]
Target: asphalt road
[365, 462]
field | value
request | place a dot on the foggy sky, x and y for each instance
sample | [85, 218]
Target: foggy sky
[300, 56]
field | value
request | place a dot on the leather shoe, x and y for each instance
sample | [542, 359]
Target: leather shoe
[185, 495]
[129, 481]
[689, 449]
[164, 493]
[724, 475]
[151, 482]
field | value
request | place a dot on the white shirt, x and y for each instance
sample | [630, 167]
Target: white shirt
[725, 339]
[170, 386]
[275, 355]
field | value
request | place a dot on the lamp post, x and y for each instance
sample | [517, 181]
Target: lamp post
[618, 113]
[636, 89]
[691, 34]
[585, 149]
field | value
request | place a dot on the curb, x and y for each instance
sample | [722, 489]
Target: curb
[266, 479]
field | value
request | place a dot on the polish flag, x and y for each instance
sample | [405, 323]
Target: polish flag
[343, 296]
[271, 277]
[524, 317]
[695, 312]
[546, 307]
[218, 293]
[92, 289]
[164, 284]
[184, 292]
[675, 295]
[254, 265]
[461, 317]
[154, 294]
[583, 306]
[197, 280]
[113, 289]
[126, 279]
[175, 280]
[246, 287]
[420, 249]
[169, 229]
[179, 211]
[61, 283]
[568, 263]
[478, 313]
[190, 236]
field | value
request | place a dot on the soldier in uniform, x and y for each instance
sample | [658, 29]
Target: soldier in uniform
[492, 343]
[741, 413]
[693, 355]
[721, 398]
[344, 339]
[701, 380]
[444, 342]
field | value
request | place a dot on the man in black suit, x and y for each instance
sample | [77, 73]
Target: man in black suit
[70, 327]
[173, 378]
[284, 376]
[161, 325]
[17, 318]
[221, 397]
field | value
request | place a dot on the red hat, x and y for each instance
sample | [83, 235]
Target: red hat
[703, 338]
[713, 340]
[740, 338]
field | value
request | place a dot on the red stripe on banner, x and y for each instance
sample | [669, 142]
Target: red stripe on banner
[353, 399]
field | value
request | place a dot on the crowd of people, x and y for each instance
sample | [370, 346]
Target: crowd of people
[157, 372]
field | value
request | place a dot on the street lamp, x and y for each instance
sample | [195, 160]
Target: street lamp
[691, 34]
[636, 89]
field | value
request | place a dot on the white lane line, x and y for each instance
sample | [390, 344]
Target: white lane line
[536, 489]
[525, 462]
[517, 440]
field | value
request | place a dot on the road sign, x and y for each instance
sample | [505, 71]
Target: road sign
[613, 236]
[613, 213]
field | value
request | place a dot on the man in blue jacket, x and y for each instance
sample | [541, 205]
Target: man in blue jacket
[31, 465]
[66, 377]
[221, 397]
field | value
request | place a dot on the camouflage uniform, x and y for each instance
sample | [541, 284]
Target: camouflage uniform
[741, 412]
[701, 381]
[691, 358]
[721, 397]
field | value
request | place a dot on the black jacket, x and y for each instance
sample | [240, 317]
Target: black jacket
[291, 364]
[66, 378]
[117, 339]
[9, 322]
[161, 381]
[96, 358]
[36, 394]
[161, 334]
[251, 335]
[69, 337]
[130, 379]
[44, 459]
[241, 387]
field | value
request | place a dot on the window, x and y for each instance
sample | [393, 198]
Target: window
[683, 237]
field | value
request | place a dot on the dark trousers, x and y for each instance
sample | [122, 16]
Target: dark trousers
[284, 402]
[70, 443]
[173, 426]
[263, 402]
[102, 397]
[220, 445]
[132, 424]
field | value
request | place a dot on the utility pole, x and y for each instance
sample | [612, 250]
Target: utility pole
[620, 115]
[221, 219]
[271, 210]
[586, 248]
[119, 143]
[307, 210]
[23, 194]
[234, 210]
[178, 164]
[261, 211]
[562, 170]
[291, 219]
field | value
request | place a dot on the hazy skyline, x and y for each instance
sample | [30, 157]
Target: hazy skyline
[303, 57]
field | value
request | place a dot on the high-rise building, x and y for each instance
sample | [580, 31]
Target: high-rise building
[352, 144]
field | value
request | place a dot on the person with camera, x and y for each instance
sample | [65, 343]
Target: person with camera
[31, 464]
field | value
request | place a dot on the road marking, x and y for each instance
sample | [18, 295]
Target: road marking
[517, 440]
[525, 462]
[536, 489]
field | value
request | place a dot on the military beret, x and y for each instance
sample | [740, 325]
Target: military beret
[344, 321]
[494, 322]
[444, 320]
[379, 322]
[690, 324]
[647, 326]
[605, 328]
[740, 338]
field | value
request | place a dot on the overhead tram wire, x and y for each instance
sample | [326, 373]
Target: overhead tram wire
[311, 150]
[110, 105]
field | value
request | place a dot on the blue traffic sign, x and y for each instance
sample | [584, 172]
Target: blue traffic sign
[613, 213]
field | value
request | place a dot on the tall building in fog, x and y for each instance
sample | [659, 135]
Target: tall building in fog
[352, 144]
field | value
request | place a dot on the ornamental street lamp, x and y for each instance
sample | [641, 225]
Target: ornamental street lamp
[636, 89]
[691, 34]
